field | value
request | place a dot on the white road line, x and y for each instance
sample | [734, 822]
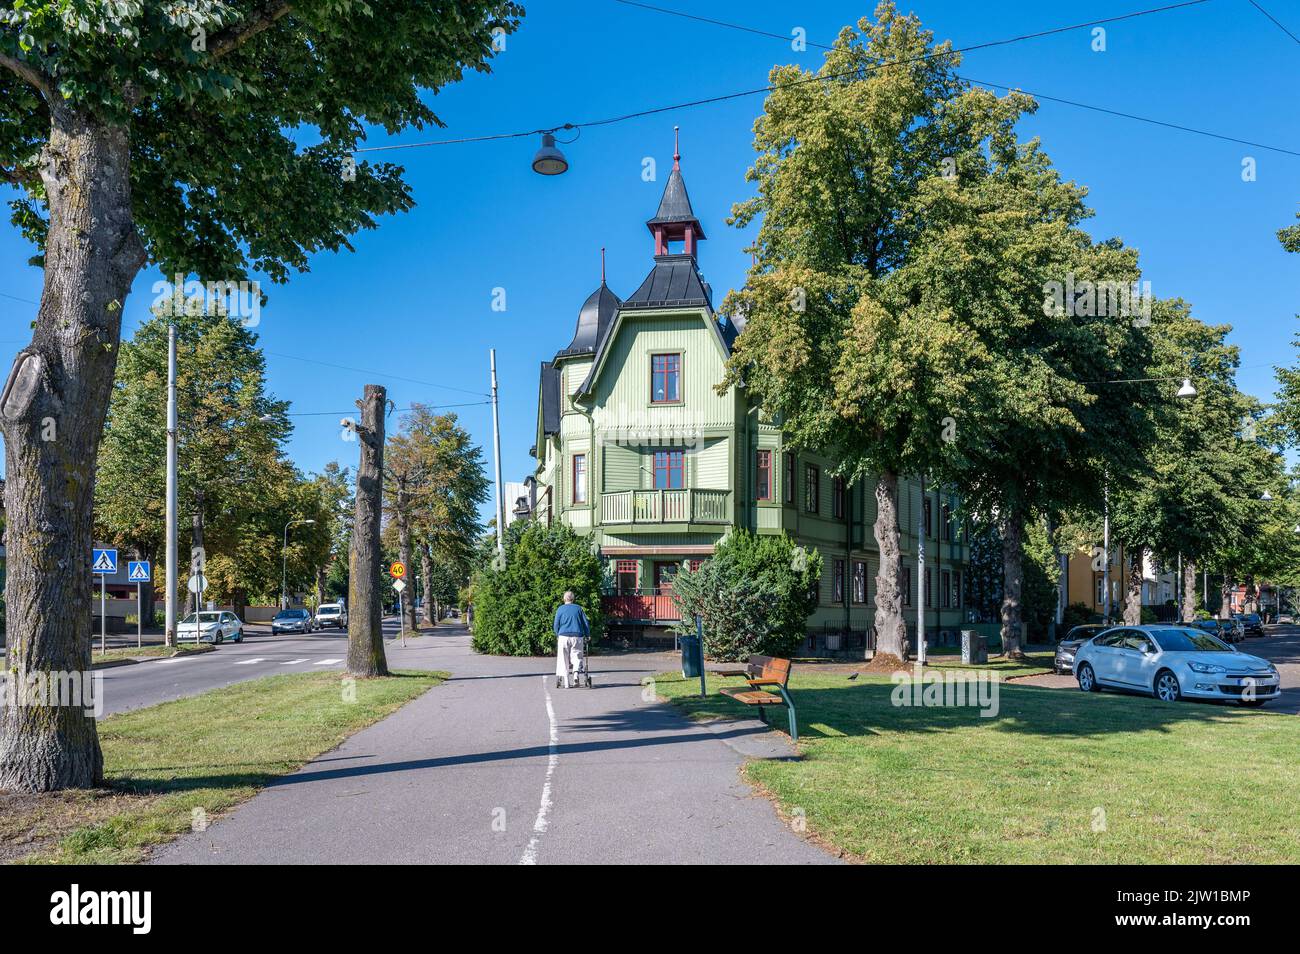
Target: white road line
[327, 662]
[293, 662]
[249, 662]
[169, 660]
[553, 759]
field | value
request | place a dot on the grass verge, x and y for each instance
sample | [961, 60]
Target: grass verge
[204, 753]
[1057, 776]
[148, 652]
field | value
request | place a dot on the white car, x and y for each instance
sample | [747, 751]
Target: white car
[1174, 662]
[331, 614]
[211, 626]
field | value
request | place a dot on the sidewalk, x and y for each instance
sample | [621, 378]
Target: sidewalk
[498, 766]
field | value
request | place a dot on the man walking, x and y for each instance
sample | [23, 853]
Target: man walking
[571, 628]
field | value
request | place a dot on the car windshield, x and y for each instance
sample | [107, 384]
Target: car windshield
[1083, 632]
[203, 617]
[291, 614]
[1188, 641]
[327, 611]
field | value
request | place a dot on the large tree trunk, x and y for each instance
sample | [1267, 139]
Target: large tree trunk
[365, 613]
[1189, 591]
[1013, 576]
[1225, 599]
[1133, 592]
[891, 631]
[426, 565]
[52, 418]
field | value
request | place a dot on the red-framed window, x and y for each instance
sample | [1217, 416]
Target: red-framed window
[837, 582]
[837, 498]
[579, 478]
[625, 576]
[789, 478]
[695, 565]
[670, 470]
[812, 476]
[665, 378]
[764, 481]
[859, 581]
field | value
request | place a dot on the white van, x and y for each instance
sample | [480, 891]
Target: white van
[331, 614]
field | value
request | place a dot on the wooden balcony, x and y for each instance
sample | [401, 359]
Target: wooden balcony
[643, 606]
[666, 506]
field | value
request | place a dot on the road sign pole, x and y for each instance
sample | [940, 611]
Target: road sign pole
[401, 617]
[103, 617]
[139, 617]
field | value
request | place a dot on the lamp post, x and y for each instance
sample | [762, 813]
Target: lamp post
[284, 563]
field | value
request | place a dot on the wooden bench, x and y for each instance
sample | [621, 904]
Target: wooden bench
[762, 675]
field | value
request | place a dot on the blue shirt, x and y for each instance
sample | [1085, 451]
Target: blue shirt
[570, 620]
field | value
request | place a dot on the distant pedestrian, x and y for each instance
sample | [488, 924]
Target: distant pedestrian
[571, 628]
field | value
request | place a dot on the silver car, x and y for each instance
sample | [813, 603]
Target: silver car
[1174, 662]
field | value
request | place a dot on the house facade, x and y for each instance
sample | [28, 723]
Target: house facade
[637, 448]
[1086, 582]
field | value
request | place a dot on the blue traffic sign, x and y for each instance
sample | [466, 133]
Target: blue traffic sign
[104, 561]
[137, 571]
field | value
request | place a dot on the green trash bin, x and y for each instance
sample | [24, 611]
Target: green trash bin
[692, 656]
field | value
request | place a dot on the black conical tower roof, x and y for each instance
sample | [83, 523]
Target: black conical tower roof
[675, 205]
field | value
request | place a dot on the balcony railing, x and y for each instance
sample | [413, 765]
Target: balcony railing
[642, 606]
[666, 506]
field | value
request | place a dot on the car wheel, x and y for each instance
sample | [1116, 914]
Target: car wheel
[217, 639]
[1166, 687]
[1088, 679]
[239, 635]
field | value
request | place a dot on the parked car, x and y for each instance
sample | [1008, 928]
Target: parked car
[1286, 618]
[292, 621]
[211, 626]
[1174, 662]
[1067, 647]
[331, 614]
[1253, 623]
[1225, 629]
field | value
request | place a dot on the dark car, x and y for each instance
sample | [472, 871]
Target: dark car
[1251, 622]
[1225, 629]
[1075, 638]
[291, 621]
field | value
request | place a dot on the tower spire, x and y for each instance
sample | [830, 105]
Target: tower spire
[677, 148]
[602, 264]
[675, 221]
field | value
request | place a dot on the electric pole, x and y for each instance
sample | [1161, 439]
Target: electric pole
[170, 630]
[496, 442]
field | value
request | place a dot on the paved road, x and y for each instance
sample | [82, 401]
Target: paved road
[498, 766]
[1281, 646]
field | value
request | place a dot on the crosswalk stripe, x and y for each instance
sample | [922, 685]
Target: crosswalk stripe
[327, 662]
[249, 662]
[293, 662]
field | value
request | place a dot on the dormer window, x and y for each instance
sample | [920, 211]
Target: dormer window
[665, 378]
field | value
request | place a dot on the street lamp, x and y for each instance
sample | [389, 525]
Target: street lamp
[284, 563]
[1186, 391]
[549, 161]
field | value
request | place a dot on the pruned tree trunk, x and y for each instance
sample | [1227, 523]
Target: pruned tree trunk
[426, 566]
[52, 417]
[1013, 576]
[365, 612]
[1225, 599]
[1189, 591]
[1133, 591]
[891, 631]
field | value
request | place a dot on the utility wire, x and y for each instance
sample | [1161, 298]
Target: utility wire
[857, 73]
[1276, 21]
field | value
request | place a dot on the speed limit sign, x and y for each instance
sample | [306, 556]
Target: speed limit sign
[397, 571]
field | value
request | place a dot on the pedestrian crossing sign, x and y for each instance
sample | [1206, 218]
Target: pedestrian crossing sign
[137, 571]
[103, 561]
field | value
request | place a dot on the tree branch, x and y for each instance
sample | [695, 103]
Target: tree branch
[19, 176]
[240, 33]
[31, 74]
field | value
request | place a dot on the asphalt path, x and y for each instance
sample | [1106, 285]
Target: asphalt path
[499, 766]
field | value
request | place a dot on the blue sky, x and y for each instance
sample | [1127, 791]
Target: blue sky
[414, 300]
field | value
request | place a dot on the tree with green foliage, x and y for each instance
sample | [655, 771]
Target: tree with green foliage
[895, 315]
[141, 132]
[753, 596]
[515, 599]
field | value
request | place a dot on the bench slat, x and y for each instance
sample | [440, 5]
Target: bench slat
[752, 697]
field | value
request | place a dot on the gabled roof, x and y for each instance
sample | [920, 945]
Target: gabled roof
[593, 318]
[675, 205]
[674, 280]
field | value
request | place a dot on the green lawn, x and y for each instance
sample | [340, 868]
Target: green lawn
[148, 652]
[1034, 664]
[1184, 783]
[206, 752]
